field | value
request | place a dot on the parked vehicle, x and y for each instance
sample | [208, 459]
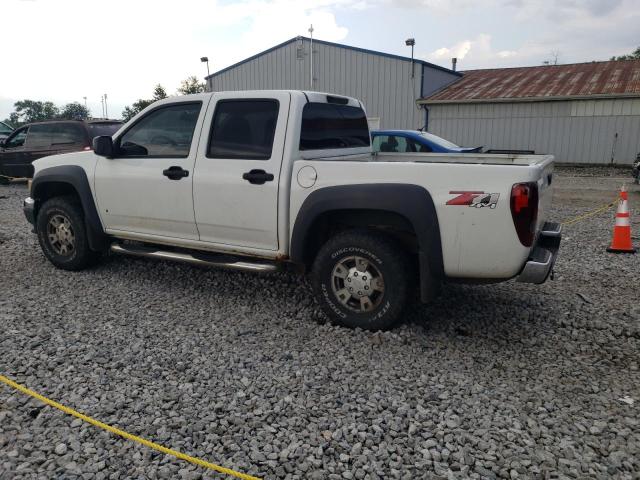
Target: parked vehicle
[269, 180]
[415, 141]
[635, 169]
[5, 130]
[37, 140]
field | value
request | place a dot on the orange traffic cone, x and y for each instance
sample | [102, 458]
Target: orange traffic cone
[621, 242]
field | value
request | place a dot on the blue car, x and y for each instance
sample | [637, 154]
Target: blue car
[414, 141]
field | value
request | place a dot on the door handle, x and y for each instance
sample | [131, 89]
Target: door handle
[175, 173]
[257, 177]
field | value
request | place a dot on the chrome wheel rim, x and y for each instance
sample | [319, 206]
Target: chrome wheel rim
[357, 284]
[61, 235]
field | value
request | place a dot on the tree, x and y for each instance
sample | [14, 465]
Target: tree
[191, 85]
[131, 111]
[74, 111]
[632, 56]
[28, 111]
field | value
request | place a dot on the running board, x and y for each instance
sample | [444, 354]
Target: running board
[203, 259]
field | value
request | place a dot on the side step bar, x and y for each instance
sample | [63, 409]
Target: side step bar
[203, 259]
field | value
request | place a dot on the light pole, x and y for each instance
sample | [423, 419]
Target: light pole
[106, 112]
[205, 60]
[410, 42]
[311, 57]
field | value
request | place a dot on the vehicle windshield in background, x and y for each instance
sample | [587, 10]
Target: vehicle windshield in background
[98, 129]
[439, 140]
[5, 129]
[327, 126]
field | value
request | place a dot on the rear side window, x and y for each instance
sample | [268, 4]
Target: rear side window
[68, 134]
[99, 129]
[327, 126]
[243, 129]
[40, 135]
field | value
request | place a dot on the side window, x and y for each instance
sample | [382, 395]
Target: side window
[68, 133]
[243, 129]
[377, 141]
[390, 144]
[418, 147]
[165, 132]
[17, 139]
[40, 135]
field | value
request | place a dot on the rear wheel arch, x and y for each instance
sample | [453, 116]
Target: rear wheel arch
[401, 207]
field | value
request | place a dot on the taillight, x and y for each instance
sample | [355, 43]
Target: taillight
[524, 211]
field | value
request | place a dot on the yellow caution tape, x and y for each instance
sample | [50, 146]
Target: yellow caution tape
[603, 208]
[128, 436]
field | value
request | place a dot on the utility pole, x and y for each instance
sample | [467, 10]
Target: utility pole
[311, 58]
[106, 112]
[102, 104]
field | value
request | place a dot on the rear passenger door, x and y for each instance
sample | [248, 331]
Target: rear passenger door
[235, 186]
[38, 143]
[69, 137]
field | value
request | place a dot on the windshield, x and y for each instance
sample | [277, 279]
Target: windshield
[98, 129]
[5, 129]
[438, 140]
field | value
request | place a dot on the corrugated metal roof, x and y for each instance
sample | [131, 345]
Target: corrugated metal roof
[614, 78]
[339, 45]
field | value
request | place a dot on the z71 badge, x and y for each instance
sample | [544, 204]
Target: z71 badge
[474, 199]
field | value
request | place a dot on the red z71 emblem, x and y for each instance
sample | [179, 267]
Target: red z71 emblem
[474, 199]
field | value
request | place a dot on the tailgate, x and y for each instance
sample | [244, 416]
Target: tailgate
[545, 190]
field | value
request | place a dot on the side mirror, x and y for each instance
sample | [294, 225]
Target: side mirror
[103, 146]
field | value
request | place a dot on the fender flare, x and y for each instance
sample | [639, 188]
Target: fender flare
[412, 202]
[76, 177]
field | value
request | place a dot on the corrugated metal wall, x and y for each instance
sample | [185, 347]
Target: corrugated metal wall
[576, 131]
[383, 84]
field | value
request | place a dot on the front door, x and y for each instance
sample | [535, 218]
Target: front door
[235, 187]
[12, 155]
[147, 188]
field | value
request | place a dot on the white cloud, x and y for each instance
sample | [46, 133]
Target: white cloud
[477, 51]
[73, 48]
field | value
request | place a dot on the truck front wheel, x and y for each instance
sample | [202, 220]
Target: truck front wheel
[361, 279]
[62, 234]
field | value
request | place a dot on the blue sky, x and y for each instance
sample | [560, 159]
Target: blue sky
[64, 57]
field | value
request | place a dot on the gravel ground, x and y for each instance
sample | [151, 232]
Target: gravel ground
[496, 381]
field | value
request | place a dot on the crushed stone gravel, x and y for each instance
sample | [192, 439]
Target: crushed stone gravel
[494, 381]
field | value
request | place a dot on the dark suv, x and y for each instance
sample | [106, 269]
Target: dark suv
[37, 140]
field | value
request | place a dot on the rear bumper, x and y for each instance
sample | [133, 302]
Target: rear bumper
[543, 256]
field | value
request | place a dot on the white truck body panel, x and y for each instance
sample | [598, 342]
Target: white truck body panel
[477, 242]
[214, 209]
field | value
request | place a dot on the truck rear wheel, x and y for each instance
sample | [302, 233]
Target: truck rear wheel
[361, 279]
[62, 234]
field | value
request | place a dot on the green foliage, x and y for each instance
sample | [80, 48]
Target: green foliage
[131, 111]
[632, 56]
[28, 111]
[74, 111]
[191, 85]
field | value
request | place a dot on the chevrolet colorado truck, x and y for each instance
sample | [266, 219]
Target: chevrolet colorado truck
[270, 180]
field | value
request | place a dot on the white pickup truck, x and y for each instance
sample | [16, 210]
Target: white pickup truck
[269, 180]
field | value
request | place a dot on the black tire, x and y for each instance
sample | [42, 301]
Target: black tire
[78, 256]
[384, 257]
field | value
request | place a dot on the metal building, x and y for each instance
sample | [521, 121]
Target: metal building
[388, 85]
[581, 113]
